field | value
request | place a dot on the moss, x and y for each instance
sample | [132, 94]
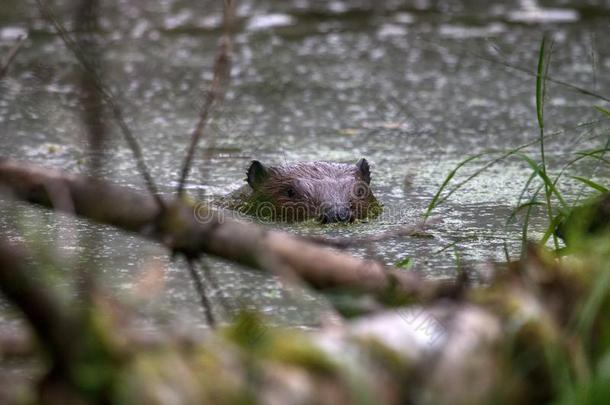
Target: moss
[375, 210]
[387, 358]
[100, 354]
[266, 342]
[222, 377]
[249, 331]
[294, 349]
[172, 221]
[156, 375]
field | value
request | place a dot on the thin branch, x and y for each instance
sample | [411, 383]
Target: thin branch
[86, 23]
[11, 55]
[402, 231]
[211, 279]
[41, 308]
[200, 288]
[108, 98]
[524, 70]
[194, 230]
[220, 81]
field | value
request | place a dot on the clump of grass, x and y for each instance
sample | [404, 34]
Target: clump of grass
[542, 74]
[554, 203]
[580, 369]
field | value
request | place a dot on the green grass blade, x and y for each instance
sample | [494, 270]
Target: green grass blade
[435, 200]
[406, 263]
[602, 110]
[540, 83]
[594, 303]
[591, 183]
[548, 183]
[520, 206]
[550, 230]
[600, 151]
[530, 204]
[524, 230]
[504, 155]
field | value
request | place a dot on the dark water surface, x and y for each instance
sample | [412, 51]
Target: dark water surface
[404, 84]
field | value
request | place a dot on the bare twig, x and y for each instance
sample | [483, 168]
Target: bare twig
[524, 70]
[222, 73]
[41, 308]
[200, 288]
[93, 105]
[11, 55]
[86, 23]
[401, 231]
[211, 279]
[108, 98]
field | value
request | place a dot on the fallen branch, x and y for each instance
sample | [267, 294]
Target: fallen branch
[293, 365]
[41, 308]
[194, 230]
[512, 338]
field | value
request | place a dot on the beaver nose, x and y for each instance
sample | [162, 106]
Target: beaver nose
[337, 214]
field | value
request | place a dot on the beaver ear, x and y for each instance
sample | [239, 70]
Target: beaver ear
[256, 174]
[365, 171]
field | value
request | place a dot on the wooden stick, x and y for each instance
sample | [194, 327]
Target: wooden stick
[194, 230]
[11, 55]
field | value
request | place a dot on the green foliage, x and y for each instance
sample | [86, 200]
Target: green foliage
[573, 352]
[406, 263]
[249, 330]
[591, 183]
[436, 199]
[602, 110]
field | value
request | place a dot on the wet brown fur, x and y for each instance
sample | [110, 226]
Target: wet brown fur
[330, 192]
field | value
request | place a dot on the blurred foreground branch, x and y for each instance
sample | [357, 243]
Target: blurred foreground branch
[193, 230]
[513, 338]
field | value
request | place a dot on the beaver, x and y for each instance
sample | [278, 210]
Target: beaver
[324, 191]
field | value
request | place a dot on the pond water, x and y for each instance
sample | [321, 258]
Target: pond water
[408, 85]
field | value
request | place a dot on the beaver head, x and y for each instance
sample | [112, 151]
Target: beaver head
[329, 192]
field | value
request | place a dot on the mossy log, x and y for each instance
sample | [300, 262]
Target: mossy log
[504, 343]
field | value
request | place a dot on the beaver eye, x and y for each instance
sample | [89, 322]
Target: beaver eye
[290, 192]
[359, 191]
